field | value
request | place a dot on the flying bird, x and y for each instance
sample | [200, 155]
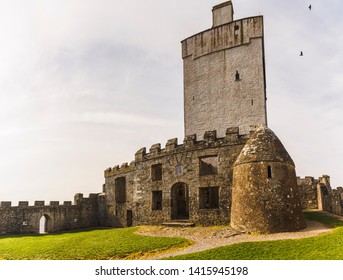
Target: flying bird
[301, 53]
[310, 7]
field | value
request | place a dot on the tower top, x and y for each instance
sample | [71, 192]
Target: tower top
[222, 13]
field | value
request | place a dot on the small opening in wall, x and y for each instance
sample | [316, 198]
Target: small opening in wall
[120, 189]
[236, 30]
[209, 198]
[252, 102]
[156, 172]
[43, 224]
[237, 76]
[208, 165]
[269, 171]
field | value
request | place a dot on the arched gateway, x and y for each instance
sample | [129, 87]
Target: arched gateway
[43, 224]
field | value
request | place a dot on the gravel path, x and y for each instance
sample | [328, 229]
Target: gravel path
[210, 237]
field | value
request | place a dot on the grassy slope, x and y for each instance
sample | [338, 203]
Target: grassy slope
[94, 244]
[327, 246]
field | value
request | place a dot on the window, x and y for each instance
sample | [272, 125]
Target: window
[237, 76]
[236, 30]
[269, 172]
[208, 165]
[209, 198]
[120, 189]
[156, 200]
[156, 172]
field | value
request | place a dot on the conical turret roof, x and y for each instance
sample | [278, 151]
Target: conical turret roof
[263, 145]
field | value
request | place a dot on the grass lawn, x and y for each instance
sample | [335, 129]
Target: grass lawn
[99, 244]
[328, 246]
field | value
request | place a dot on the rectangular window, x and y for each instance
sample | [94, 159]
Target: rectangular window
[269, 172]
[156, 200]
[208, 165]
[156, 172]
[209, 198]
[120, 189]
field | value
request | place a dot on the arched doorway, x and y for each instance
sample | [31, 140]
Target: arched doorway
[43, 224]
[179, 202]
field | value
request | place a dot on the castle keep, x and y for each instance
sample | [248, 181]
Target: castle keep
[229, 169]
[224, 75]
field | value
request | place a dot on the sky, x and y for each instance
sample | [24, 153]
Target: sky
[84, 84]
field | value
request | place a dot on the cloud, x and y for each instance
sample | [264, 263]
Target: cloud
[117, 118]
[87, 85]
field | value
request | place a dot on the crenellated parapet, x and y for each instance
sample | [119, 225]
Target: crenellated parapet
[190, 143]
[26, 219]
[124, 168]
[78, 199]
[316, 193]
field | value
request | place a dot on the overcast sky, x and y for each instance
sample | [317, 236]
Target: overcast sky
[84, 84]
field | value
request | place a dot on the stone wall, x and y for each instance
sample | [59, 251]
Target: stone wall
[25, 219]
[318, 194]
[188, 188]
[308, 192]
[337, 201]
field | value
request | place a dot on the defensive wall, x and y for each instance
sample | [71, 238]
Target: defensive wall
[26, 219]
[316, 193]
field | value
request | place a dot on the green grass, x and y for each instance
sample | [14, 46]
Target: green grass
[328, 246]
[100, 244]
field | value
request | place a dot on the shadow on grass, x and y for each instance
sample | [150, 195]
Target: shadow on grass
[326, 246]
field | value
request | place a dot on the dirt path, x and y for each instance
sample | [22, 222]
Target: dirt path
[210, 237]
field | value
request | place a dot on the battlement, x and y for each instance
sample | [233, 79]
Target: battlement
[124, 168]
[311, 181]
[223, 36]
[338, 191]
[41, 203]
[190, 143]
[26, 219]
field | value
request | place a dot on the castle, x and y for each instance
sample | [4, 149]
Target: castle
[229, 169]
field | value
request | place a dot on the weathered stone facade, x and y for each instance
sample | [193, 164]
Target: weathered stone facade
[218, 174]
[224, 75]
[265, 196]
[194, 182]
[318, 194]
[25, 219]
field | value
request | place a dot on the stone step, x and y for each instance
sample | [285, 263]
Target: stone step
[179, 223]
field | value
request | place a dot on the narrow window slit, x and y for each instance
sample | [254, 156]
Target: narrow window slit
[269, 172]
[237, 76]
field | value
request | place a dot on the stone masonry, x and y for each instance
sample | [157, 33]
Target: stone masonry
[25, 219]
[189, 181]
[230, 168]
[224, 75]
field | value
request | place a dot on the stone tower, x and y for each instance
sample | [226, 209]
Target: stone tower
[224, 75]
[265, 195]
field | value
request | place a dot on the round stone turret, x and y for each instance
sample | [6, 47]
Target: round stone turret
[265, 197]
